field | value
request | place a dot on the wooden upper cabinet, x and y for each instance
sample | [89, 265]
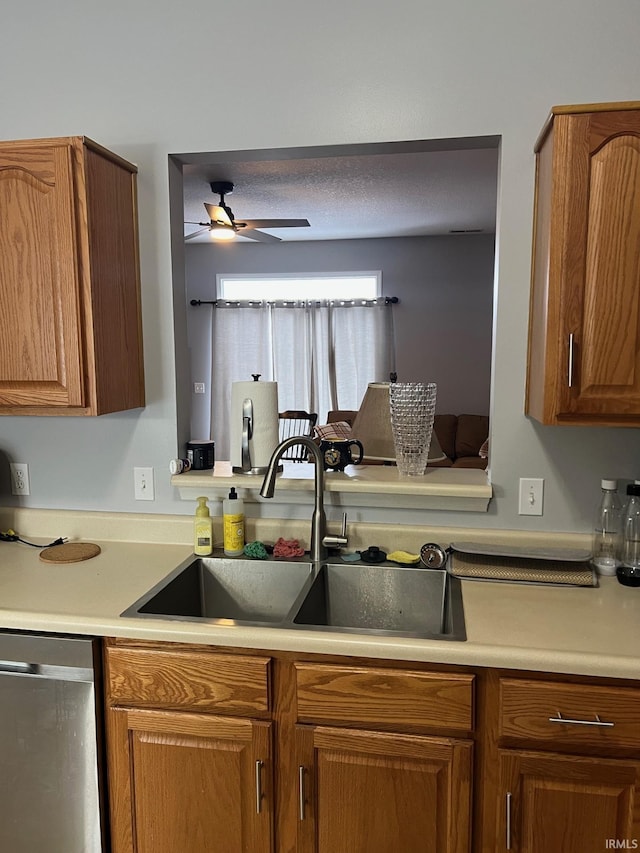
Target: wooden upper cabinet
[70, 320]
[584, 325]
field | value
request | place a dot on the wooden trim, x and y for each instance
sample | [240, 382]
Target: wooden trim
[601, 107]
[109, 155]
[576, 109]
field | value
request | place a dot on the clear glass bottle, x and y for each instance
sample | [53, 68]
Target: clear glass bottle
[629, 570]
[607, 529]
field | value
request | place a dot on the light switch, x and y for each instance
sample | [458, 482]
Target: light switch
[143, 484]
[531, 496]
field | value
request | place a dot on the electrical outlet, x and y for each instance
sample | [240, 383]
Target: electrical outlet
[531, 496]
[19, 478]
[198, 388]
[143, 484]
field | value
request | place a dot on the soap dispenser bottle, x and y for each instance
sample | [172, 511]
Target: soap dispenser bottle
[233, 524]
[203, 530]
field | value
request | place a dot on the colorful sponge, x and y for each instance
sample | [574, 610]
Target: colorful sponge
[255, 550]
[287, 548]
[403, 558]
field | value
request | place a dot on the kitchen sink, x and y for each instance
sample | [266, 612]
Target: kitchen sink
[385, 599]
[229, 588]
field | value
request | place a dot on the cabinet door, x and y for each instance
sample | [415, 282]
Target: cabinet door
[368, 792]
[585, 328]
[40, 311]
[567, 804]
[189, 783]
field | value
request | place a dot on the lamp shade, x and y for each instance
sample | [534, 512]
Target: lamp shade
[372, 426]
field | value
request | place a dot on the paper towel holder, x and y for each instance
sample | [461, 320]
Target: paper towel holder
[245, 449]
[247, 433]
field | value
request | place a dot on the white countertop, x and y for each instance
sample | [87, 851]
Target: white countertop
[583, 631]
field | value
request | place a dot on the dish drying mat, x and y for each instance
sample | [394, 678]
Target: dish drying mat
[521, 565]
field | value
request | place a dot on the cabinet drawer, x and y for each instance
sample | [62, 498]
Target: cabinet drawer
[569, 713]
[222, 684]
[344, 694]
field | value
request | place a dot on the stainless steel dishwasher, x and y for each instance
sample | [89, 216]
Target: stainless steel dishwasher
[50, 747]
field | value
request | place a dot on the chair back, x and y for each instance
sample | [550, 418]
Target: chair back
[296, 422]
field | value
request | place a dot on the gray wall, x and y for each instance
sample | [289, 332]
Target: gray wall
[443, 320]
[137, 77]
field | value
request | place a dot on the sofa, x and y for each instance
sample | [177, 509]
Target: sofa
[463, 438]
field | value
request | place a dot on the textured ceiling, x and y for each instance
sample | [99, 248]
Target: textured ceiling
[368, 192]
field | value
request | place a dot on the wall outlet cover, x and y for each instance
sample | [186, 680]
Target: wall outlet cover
[19, 478]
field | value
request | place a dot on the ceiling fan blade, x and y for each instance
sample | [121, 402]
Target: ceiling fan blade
[276, 223]
[218, 214]
[195, 233]
[260, 236]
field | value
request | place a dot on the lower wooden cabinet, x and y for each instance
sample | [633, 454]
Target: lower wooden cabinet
[212, 752]
[552, 803]
[225, 751]
[372, 792]
[567, 753]
[189, 783]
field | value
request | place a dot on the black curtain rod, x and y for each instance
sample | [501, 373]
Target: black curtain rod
[388, 300]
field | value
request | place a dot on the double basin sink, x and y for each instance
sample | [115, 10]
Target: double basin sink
[385, 599]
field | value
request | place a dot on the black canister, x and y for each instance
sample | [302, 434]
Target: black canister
[201, 454]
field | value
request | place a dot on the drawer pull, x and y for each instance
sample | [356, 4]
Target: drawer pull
[259, 786]
[596, 722]
[508, 820]
[301, 792]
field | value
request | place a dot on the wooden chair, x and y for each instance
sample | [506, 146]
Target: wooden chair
[296, 422]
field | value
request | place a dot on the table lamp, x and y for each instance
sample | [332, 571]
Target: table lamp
[372, 426]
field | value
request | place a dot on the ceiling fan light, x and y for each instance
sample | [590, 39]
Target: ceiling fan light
[222, 232]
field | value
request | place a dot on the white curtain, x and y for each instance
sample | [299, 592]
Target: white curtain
[321, 354]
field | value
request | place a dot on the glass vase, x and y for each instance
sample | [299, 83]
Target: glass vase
[412, 406]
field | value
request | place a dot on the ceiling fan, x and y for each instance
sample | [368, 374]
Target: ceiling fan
[224, 227]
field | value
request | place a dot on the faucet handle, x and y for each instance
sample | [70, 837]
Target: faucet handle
[339, 541]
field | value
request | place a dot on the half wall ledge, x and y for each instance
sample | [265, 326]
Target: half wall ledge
[451, 489]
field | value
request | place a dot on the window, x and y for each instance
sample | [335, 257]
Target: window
[357, 285]
[321, 350]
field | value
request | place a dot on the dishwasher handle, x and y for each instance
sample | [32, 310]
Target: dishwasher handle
[46, 671]
[57, 657]
[18, 667]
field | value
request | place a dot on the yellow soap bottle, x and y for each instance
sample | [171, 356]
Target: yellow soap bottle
[203, 530]
[233, 524]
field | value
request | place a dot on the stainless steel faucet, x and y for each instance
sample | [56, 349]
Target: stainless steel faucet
[319, 538]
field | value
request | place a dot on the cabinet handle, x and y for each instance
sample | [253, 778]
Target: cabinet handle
[508, 820]
[259, 765]
[570, 365]
[301, 792]
[596, 722]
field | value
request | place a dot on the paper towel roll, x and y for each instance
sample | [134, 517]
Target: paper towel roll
[265, 428]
